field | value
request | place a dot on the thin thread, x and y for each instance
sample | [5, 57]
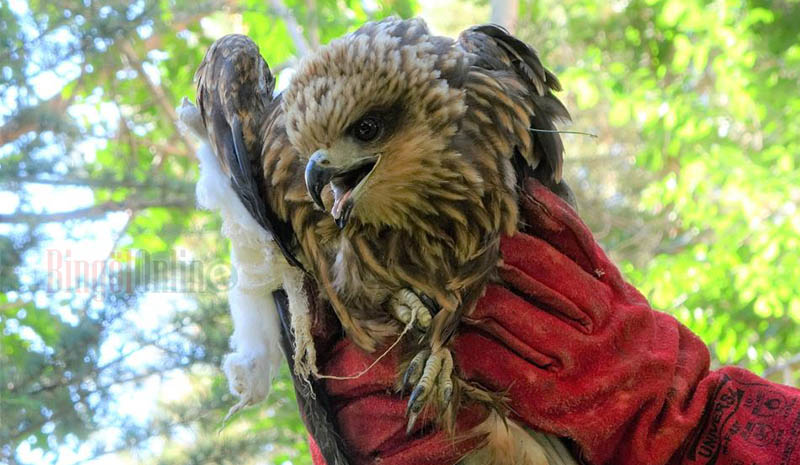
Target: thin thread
[375, 362]
[594, 136]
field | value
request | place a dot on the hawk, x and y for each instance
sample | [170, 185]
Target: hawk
[388, 171]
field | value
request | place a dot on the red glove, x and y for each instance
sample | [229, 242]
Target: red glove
[579, 353]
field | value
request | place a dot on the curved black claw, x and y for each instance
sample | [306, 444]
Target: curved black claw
[415, 404]
[429, 303]
[414, 370]
[447, 395]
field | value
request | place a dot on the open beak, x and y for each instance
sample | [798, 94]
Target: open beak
[318, 174]
[343, 180]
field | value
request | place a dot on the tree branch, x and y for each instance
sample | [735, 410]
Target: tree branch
[30, 119]
[504, 13]
[95, 210]
[166, 103]
[99, 182]
[99, 370]
[84, 394]
[295, 32]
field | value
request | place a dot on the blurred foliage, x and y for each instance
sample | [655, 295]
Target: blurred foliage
[696, 106]
[692, 186]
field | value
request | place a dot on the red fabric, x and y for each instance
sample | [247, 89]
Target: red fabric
[581, 354]
[748, 421]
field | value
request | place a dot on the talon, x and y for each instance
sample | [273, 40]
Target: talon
[417, 400]
[411, 420]
[430, 374]
[447, 395]
[415, 404]
[414, 370]
[432, 306]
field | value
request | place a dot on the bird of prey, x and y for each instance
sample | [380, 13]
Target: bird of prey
[388, 171]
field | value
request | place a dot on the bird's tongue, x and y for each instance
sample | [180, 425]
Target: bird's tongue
[338, 201]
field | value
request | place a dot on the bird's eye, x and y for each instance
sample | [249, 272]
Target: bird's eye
[367, 129]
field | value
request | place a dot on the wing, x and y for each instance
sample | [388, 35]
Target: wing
[511, 89]
[234, 95]
[244, 125]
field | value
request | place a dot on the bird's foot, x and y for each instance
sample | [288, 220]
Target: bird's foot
[408, 306]
[431, 375]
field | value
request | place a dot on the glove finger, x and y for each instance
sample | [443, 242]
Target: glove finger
[553, 220]
[535, 333]
[549, 280]
[374, 426]
[493, 365]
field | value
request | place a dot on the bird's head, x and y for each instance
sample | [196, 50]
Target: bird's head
[372, 114]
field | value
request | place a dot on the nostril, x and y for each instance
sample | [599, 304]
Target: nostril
[320, 157]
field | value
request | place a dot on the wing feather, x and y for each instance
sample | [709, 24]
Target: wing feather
[234, 95]
[312, 398]
[497, 53]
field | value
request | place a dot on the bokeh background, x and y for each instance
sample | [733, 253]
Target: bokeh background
[113, 318]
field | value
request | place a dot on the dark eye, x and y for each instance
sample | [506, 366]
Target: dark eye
[367, 128]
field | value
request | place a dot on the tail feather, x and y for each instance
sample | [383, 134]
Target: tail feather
[508, 443]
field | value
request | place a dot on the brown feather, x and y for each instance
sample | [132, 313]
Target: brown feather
[443, 191]
[444, 188]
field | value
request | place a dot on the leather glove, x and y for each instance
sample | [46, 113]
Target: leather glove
[579, 353]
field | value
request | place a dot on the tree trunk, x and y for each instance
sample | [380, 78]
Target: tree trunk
[504, 13]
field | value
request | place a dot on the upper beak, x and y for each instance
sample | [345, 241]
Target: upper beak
[318, 174]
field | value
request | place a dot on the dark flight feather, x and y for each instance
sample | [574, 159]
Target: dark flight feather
[234, 95]
[498, 50]
[312, 399]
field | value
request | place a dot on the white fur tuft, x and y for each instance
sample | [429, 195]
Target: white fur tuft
[259, 269]
[256, 328]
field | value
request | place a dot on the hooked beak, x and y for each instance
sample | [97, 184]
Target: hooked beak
[344, 182]
[318, 174]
